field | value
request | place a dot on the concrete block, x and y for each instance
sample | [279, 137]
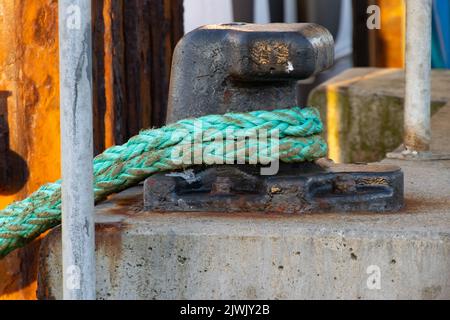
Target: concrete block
[143, 255]
[404, 255]
[362, 109]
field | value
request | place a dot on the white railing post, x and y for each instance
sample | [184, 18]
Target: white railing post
[77, 149]
[290, 11]
[418, 76]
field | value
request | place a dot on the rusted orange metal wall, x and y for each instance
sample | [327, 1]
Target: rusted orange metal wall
[133, 43]
[29, 107]
[384, 47]
[388, 43]
[28, 78]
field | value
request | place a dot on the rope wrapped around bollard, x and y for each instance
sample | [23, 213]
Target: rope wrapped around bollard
[121, 167]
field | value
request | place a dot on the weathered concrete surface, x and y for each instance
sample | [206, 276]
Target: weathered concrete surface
[141, 255]
[363, 111]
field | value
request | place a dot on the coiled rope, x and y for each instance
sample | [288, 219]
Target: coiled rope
[121, 167]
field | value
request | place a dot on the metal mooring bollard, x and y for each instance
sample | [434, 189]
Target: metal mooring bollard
[246, 67]
[77, 149]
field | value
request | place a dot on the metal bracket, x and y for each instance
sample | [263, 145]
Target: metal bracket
[297, 188]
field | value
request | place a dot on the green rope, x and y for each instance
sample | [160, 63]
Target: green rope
[121, 167]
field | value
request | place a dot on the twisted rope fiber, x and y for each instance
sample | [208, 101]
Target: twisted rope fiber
[121, 167]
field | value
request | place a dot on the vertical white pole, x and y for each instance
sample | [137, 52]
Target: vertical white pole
[290, 11]
[77, 149]
[418, 80]
[261, 11]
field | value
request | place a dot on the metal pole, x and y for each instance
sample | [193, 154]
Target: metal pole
[418, 83]
[290, 11]
[77, 149]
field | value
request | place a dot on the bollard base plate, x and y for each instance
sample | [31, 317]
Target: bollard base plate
[296, 189]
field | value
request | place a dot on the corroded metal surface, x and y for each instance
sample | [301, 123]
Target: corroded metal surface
[245, 67]
[298, 188]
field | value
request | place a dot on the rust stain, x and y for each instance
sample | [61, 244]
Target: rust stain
[227, 96]
[122, 209]
[110, 227]
[29, 71]
[377, 181]
[417, 205]
[109, 75]
[231, 215]
[413, 140]
[125, 205]
[109, 242]
[265, 52]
